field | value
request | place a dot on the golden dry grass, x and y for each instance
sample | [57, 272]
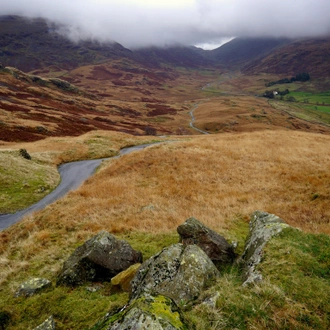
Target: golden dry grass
[92, 145]
[246, 113]
[215, 178]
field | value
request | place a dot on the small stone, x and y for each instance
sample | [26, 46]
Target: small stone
[211, 301]
[25, 154]
[49, 324]
[94, 288]
[123, 279]
[32, 286]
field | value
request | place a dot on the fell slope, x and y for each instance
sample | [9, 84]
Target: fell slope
[240, 51]
[304, 55]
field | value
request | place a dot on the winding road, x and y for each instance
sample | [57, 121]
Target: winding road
[72, 176]
[193, 120]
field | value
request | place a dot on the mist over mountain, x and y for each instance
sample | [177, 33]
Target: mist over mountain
[136, 24]
[34, 44]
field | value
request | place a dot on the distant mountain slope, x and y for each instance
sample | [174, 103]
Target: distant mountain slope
[305, 55]
[241, 51]
[31, 44]
[178, 55]
[32, 107]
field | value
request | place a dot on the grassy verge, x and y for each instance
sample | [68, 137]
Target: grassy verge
[24, 182]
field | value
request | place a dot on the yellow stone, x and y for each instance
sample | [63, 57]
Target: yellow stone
[123, 279]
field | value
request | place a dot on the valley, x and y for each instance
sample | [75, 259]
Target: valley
[71, 102]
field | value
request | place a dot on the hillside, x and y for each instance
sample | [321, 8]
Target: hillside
[305, 55]
[33, 108]
[240, 51]
[117, 95]
[34, 44]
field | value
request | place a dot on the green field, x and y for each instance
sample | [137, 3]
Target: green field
[317, 108]
[312, 98]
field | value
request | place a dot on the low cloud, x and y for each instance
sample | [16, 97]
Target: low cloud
[137, 24]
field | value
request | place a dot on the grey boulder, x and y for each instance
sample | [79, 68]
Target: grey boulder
[178, 272]
[214, 245]
[263, 226]
[98, 259]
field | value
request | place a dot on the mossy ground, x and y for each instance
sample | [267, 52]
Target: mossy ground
[23, 181]
[76, 308]
[293, 295]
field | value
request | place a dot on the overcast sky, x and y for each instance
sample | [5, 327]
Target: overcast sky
[138, 23]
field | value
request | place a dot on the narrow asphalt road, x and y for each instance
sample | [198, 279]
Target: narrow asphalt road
[193, 120]
[72, 176]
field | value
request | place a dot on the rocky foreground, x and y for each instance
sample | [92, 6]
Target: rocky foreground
[164, 285]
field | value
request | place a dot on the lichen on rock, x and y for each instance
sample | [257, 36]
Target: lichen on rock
[49, 324]
[214, 245]
[98, 259]
[179, 272]
[148, 312]
[124, 278]
[263, 226]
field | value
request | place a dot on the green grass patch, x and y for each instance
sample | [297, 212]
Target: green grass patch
[150, 244]
[321, 108]
[313, 98]
[24, 182]
[294, 294]
[71, 308]
[308, 112]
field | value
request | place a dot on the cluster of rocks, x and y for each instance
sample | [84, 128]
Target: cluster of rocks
[166, 283]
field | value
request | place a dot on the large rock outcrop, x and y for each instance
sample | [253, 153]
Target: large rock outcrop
[214, 245]
[179, 272]
[98, 259]
[263, 226]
